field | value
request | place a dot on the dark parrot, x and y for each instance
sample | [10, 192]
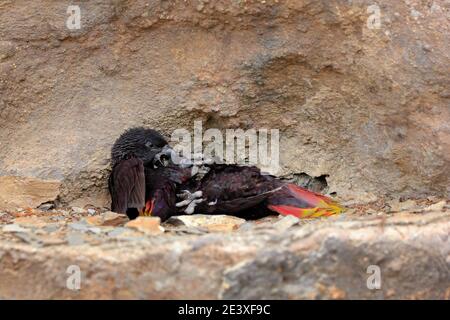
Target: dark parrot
[137, 185]
[141, 183]
[245, 192]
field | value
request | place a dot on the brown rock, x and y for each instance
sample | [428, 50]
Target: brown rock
[438, 206]
[26, 192]
[212, 223]
[32, 221]
[147, 225]
[398, 206]
[286, 222]
[108, 218]
[14, 228]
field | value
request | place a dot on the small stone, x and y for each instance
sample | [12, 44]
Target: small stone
[14, 228]
[116, 232]
[397, 206]
[148, 225]
[74, 239]
[7, 50]
[348, 212]
[78, 210]
[212, 223]
[29, 238]
[108, 218]
[371, 211]
[200, 7]
[247, 226]
[52, 227]
[32, 221]
[91, 212]
[79, 226]
[95, 230]
[286, 222]
[439, 206]
[426, 47]
[46, 206]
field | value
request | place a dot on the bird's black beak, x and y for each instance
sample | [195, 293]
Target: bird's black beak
[163, 157]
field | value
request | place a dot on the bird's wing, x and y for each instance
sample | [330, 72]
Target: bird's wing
[231, 188]
[127, 185]
[238, 204]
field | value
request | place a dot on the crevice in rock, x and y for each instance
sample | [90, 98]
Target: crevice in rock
[316, 184]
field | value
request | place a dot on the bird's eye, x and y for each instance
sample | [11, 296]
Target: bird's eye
[148, 144]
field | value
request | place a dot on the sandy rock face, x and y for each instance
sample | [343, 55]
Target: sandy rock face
[368, 109]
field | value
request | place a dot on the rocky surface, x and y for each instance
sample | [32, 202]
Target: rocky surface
[363, 114]
[275, 257]
[365, 109]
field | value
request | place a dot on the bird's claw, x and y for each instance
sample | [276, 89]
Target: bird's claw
[190, 200]
[187, 195]
[191, 206]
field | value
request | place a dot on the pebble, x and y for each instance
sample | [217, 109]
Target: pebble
[46, 206]
[79, 226]
[51, 227]
[108, 218]
[147, 225]
[397, 206]
[439, 206]
[116, 232]
[95, 230]
[212, 223]
[14, 228]
[286, 223]
[29, 238]
[247, 226]
[78, 210]
[74, 239]
[32, 221]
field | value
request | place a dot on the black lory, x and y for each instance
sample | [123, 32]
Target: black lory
[134, 157]
[245, 192]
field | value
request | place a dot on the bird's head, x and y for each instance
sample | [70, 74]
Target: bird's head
[141, 143]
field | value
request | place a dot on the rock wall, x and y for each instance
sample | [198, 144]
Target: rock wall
[367, 108]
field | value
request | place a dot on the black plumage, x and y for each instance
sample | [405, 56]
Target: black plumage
[132, 154]
[141, 184]
[235, 190]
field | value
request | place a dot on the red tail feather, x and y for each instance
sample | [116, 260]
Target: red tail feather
[309, 204]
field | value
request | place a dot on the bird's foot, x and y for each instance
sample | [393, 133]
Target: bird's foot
[191, 206]
[190, 200]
